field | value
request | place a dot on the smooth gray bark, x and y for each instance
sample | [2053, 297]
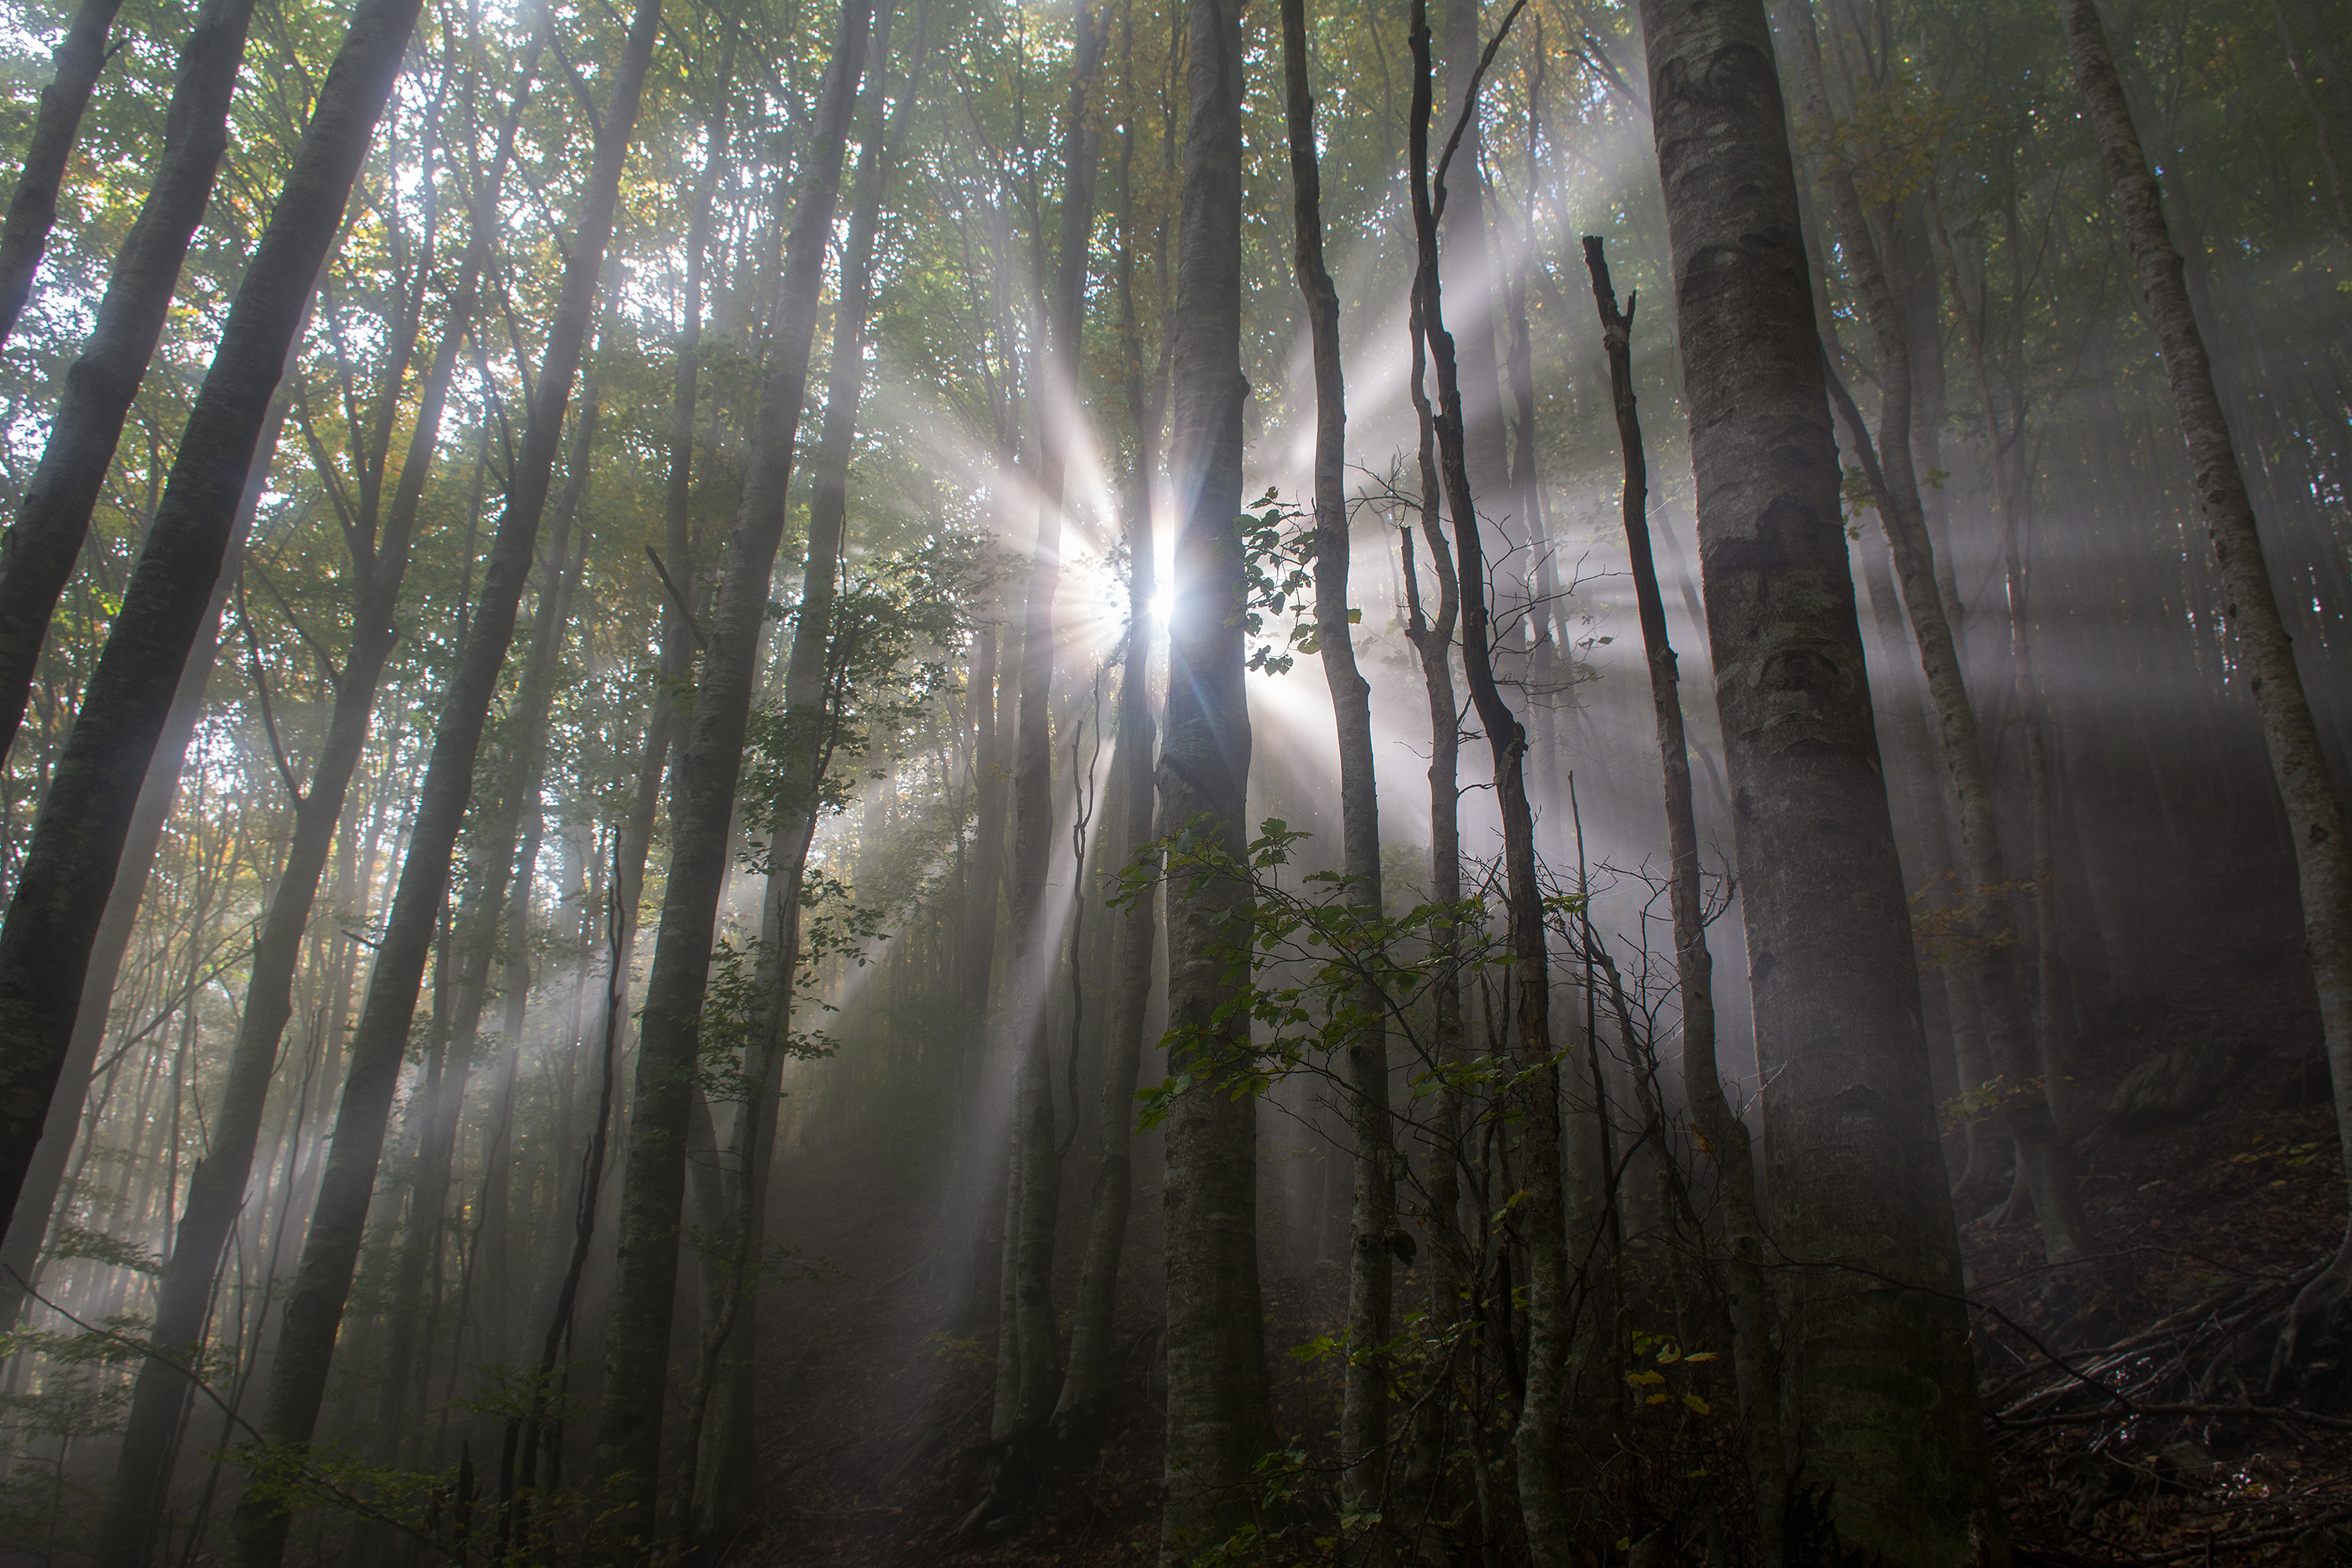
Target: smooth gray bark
[1887, 1405]
[1219, 1416]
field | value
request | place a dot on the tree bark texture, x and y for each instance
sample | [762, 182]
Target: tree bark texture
[314, 1306]
[38, 554]
[629, 1423]
[78, 838]
[80, 55]
[1219, 1419]
[1855, 1175]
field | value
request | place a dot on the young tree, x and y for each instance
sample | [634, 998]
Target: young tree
[1855, 1178]
[1218, 1416]
[1755, 1355]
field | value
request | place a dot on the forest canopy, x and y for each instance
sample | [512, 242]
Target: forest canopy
[872, 781]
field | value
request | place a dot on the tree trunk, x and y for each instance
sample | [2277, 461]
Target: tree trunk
[60, 897]
[2043, 1161]
[80, 55]
[629, 1424]
[1536, 1440]
[2313, 808]
[314, 1306]
[1079, 1412]
[1220, 1418]
[1855, 1176]
[1031, 1206]
[38, 554]
[1755, 1354]
[727, 1488]
[1364, 1400]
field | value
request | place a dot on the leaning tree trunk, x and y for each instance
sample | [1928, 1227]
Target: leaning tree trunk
[44, 944]
[2314, 811]
[1536, 1440]
[38, 554]
[314, 1306]
[629, 1424]
[1220, 1418]
[1755, 1357]
[80, 55]
[1364, 1398]
[2044, 1164]
[1855, 1177]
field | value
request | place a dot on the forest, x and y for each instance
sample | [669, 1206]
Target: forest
[1398, 783]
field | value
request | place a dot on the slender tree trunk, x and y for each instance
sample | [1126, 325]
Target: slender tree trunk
[727, 1487]
[1364, 1400]
[1450, 1267]
[314, 1307]
[1754, 1353]
[60, 897]
[2315, 809]
[1033, 1206]
[1537, 1441]
[1220, 1418]
[1853, 1171]
[629, 1424]
[1080, 1413]
[38, 554]
[80, 55]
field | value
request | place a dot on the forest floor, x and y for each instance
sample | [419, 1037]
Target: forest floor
[2114, 1441]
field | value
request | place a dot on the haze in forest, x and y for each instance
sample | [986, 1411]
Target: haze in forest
[870, 782]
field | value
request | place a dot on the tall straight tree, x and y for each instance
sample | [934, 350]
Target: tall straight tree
[44, 943]
[2315, 809]
[702, 810]
[216, 1188]
[322, 1281]
[80, 55]
[37, 553]
[1364, 1413]
[1858, 1201]
[1219, 1416]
